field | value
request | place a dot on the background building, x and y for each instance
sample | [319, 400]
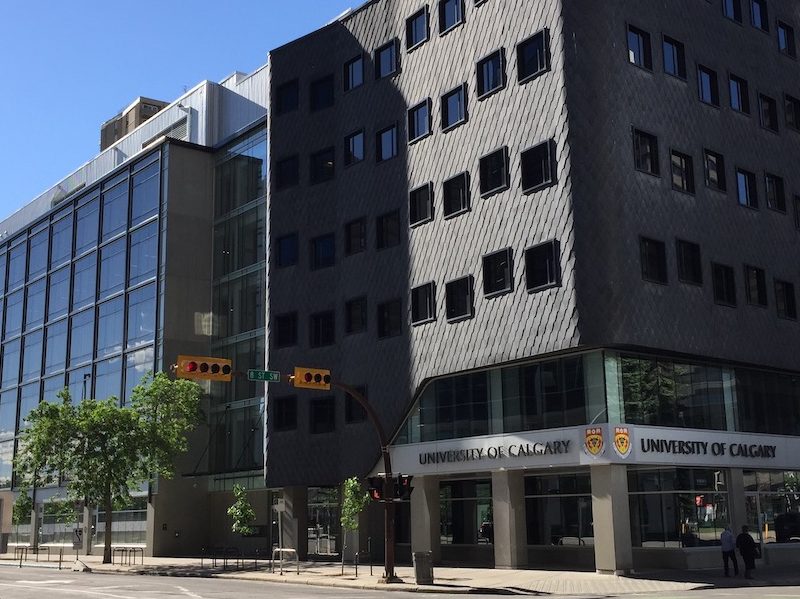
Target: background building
[127, 120]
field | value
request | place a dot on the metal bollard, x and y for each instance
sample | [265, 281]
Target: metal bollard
[60, 556]
[369, 550]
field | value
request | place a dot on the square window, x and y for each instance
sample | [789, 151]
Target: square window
[682, 172]
[707, 86]
[323, 251]
[538, 167]
[284, 413]
[533, 56]
[724, 284]
[386, 60]
[494, 172]
[755, 285]
[321, 93]
[768, 109]
[458, 299]
[639, 52]
[792, 108]
[322, 166]
[454, 107]
[321, 329]
[354, 73]
[386, 143]
[785, 300]
[355, 316]
[355, 237]
[497, 273]
[654, 260]
[455, 193]
[353, 411]
[286, 250]
[645, 152]
[758, 14]
[746, 190]
[423, 303]
[390, 319]
[417, 29]
[491, 74]
[690, 266]
[714, 170]
[286, 330]
[451, 13]
[740, 96]
[387, 230]
[287, 172]
[542, 266]
[420, 204]
[287, 97]
[419, 121]
[322, 415]
[776, 193]
[674, 57]
[354, 148]
[786, 42]
[732, 9]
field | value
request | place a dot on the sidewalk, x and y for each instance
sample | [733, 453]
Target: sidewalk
[447, 580]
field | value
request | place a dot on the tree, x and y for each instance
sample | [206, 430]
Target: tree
[354, 500]
[241, 512]
[105, 450]
[23, 506]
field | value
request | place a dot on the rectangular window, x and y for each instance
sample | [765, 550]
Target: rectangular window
[792, 108]
[423, 303]
[11, 358]
[724, 284]
[108, 379]
[112, 268]
[494, 172]
[355, 316]
[386, 144]
[56, 348]
[322, 415]
[451, 13]
[354, 411]
[797, 212]
[320, 93]
[354, 148]
[674, 57]
[84, 283]
[491, 74]
[768, 109]
[32, 357]
[419, 121]
[286, 248]
[682, 172]
[714, 168]
[115, 210]
[454, 107]
[286, 330]
[639, 51]
[81, 343]
[387, 230]
[323, 251]
[287, 97]
[110, 327]
[746, 190]
[87, 220]
[690, 266]
[37, 254]
[355, 237]
[390, 319]
[786, 42]
[417, 29]
[497, 273]
[354, 73]
[58, 294]
[645, 152]
[16, 266]
[542, 266]
[322, 166]
[143, 257]
[142, 316]
[732, 9]
[386, 60]
[287, 172]
[533, 56]
[538, 167]
[459, 299]
[145, 193]
[34, 304]
[60, 241]
[785, 300]
[776, 194]
[758, 14]
[654, 260]
[707, 86]
[455, 193]
[420, 204]
[321, 329]
[755, 285]
[284, 413]
[740, 96]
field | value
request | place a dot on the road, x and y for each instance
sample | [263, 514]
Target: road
[32, 583]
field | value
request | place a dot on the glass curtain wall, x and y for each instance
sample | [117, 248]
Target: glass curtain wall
[772, 502]
[558, 509]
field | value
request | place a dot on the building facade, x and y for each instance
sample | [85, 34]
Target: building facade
[556, 245]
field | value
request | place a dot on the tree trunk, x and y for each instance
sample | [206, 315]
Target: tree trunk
[109, 507]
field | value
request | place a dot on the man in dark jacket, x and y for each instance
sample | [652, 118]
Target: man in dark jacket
[748, 550]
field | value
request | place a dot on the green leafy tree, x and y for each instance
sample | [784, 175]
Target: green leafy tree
[23, 506]
[106, 451]
[241, 512]
[354, 500]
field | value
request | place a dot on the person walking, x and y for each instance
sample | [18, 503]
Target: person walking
[747, 549]
[728, 542]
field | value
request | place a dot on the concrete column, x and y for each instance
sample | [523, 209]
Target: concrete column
[508, 506]
[88, 539]
[612, 522]
[736, 502]
[425, 516]
[295, 520]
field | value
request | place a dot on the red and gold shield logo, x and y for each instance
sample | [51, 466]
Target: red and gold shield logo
[593, 441]
[622, 441]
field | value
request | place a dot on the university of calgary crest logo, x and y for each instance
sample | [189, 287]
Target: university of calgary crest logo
[622, 441]
[593, 441]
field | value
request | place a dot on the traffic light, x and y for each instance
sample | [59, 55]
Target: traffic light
[402, 487]
[204, 368]
[375, 487]
[311, 378]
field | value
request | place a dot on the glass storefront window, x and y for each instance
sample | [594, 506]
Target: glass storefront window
[87, 221]
[81, 345]
[37, 254]
[16, 266]
[115, 210]
[466, 512]
[558, 509]
[773, 505]
[141, 316]
[28, 400]
[110, 325]
[137, 364]
[8, 414]
[11, 356]
[143, 254]
[61, 241]
[58, 294]
[34, 311]
[56, 348]
[112, 268]
[108, 379]
[32, 356]
[14, 313]
[145, 194]
[84, 283]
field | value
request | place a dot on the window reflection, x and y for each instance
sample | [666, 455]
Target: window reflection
[84, 283]
[87, 220]
[141, 316]
[112, 268]
[115, 210]
[144, 253]
[56, 349]
[110, 324]
[81, 344]
[145, 194]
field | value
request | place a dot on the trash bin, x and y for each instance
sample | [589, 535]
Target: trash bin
[423, 567]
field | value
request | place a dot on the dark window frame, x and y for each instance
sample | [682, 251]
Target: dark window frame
[424, 11]
[317, 177]
[742, 98]
[653, 154]
[315, 103]
[758, 296]
[318, 338]
[280, 261]
[785, 299]
[780, 192]
[383, 323]
[679, 56]
[644, 47]
[713, 81]
[554, 277]
[316, 407]
[382, 241]
[411, 121]
[687, 184]
[295, 105]
[393, 44]
[791, 106]
[462, 17]
[690, 265]
[505, 182]
[315, 264]
[279, 342]
[486, 93]
[279, 423]
[791, 43]
[349, 250]
[661, 274]
[735, 13]
[508, 285]
[349, 157]
[763, 15]
[544, 35]
[414, 218]
[768, 107]
[467, 206]
[346, 80]
[281, 181]
[721, 174]
[462, 91]
[362, 304]
[751, 190]
[429, 288]
[451, 285]
[379, 157]
[550, 178]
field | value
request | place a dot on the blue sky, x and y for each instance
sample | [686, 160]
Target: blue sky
[69, 65]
